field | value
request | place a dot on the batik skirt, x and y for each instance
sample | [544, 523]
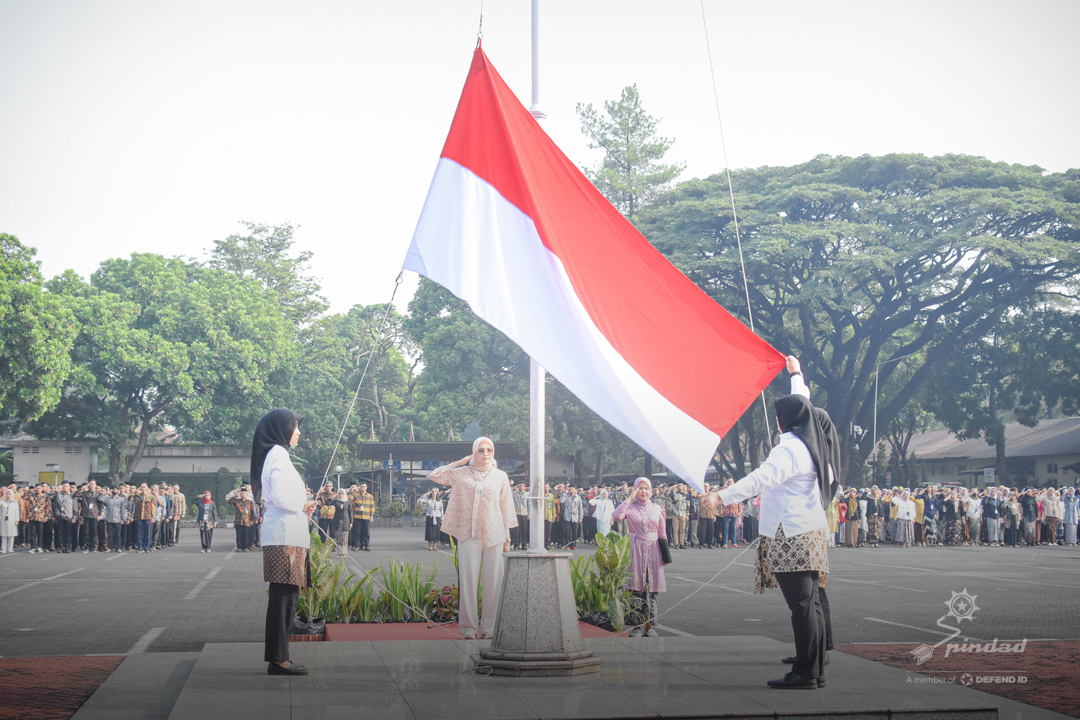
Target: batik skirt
[808, 551]
[905, 532]
[953, 532]
[286, 564]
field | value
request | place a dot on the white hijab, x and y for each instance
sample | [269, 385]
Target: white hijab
[483, 465]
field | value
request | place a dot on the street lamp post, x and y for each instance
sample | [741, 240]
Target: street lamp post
[338, 470]
[876, 371]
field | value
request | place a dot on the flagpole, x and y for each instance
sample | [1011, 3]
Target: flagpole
[537, 374]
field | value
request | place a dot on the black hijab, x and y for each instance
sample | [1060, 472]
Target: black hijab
[275, 428]
[797, 415]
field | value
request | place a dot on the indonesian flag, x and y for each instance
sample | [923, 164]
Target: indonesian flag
[512, 227]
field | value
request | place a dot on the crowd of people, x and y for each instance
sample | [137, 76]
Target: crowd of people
[953, 516]
[72, 518]
[344, 516]
[867, 517]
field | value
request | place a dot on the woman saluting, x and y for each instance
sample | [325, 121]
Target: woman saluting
[796, 482]
[480, 515]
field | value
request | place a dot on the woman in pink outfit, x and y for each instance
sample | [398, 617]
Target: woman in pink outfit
[646, 523]
[480, 514]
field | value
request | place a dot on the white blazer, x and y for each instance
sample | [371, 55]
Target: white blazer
[284, 492]
[9, 518]
[787, 484]
[905, 509]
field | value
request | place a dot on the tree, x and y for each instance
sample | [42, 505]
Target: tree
[472, 372]
[856, 261]
[630, 174]
[36, 331]
[1026, 367]
[324, 381]
[263, 255]
[160, 341]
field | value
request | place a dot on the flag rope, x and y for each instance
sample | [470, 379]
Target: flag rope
[371, 354]
[731, 196]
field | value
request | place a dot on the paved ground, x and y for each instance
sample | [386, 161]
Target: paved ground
[177, 600]
[670, 677]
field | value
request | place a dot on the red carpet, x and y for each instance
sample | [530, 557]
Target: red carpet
[1048, 669]
[417, 631]
[51, 687]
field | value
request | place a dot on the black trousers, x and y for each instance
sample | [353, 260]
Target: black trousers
[34, 530]
[91, 535]
[363, 533]
[807, 621]
[63, 534]
[522, 530]
[573, 531]
[828, 618]
[280, 614]
[207, 537]
[114, 535]
[547, 532]
[705, 532]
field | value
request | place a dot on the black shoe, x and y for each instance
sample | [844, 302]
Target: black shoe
[792, 681]
[792, 660]
[275, 669]
[367, 549]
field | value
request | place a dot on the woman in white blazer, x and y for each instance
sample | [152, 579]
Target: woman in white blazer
[285, 539]
[9, 521]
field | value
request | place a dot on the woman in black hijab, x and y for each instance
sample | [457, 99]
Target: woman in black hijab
[285, 539]
[796, 483]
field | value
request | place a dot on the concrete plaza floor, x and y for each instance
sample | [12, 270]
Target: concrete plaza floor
[704, 677]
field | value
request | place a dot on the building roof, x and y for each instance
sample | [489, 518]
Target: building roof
[1059, 436]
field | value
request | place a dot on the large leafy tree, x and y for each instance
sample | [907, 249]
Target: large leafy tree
[855, 262]
[325, 379]
[631, 174]
[36, 331]
[1026, 367]
[160, 340]
[266, 255]
[472, 372]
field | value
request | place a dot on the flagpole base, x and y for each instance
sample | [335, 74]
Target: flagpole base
[537, 632]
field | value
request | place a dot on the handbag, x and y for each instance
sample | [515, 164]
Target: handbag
[665, 551]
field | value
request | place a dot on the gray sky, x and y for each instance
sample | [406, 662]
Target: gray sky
[157, 126]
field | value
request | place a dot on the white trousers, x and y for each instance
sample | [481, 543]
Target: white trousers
[472, 555]
[8, 542]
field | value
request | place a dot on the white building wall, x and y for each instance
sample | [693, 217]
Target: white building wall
[194, 459]
[32, 458]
